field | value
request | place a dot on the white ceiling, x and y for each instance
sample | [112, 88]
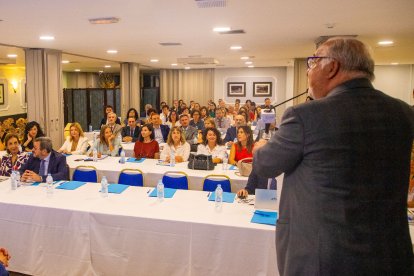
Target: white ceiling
[276, 31]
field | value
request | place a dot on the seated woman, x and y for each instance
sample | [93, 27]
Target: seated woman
[212, 145]
[76, 143]
[244, 146]
[14, 157]
[31, 132]
[107, 144]
[146, 146]
[173, 120]
[176, 142]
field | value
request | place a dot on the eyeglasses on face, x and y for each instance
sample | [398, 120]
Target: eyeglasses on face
[313, 60]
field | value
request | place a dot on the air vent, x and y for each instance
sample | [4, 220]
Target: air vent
[323, 38]
[170, 44]
[104, 20]
[233, 32]
[197, 61]
[211, 3]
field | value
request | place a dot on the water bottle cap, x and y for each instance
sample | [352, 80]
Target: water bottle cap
[218, 185]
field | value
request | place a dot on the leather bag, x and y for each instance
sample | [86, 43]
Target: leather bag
[200, 162]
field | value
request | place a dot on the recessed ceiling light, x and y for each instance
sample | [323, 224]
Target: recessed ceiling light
[65, 61]
[386, 42]
[112, 51]
[101, 71]
[187, 68]
[251, 66]
[153, 60]
[173, 64]
[235, 47]
[248, 62]
[12, 56]
[221, 29]
[244, 58]
[394, 63]
[104, 20]
[46, 37]
[107, 66]
[77, 70]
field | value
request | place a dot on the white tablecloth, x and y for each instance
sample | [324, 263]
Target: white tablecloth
[80, 233]
[110, 167]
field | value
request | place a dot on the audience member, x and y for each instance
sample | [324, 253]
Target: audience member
[14, 157]
[76, 143]
[115, 128]
[222, 123]
[231, 133]
[196, 120]
[130, 133]
[109, 109]
[144, 114]
[173, 120]
[256, 181]
[146, 146]
[188, 131]
[160, 131]
[211, 110]
[132, 112]
[107, 144]
[165, 112]
[244, 146]
[203, 112]
[32, 131]
[212, 145]
[4, 261]
[209, 122]
[176, 143]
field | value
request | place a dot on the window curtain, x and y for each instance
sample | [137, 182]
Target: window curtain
[197, 85]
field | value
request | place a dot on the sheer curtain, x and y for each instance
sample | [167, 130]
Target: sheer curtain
[197, 85]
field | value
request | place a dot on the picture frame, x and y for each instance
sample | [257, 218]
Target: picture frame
[262, 89]
[236, 89]
[1, 93]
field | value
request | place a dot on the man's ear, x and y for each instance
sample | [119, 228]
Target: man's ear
[332, 69]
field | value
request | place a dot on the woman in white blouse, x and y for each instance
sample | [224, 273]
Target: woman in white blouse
[176, 142]
[212, 145]
[76, 143]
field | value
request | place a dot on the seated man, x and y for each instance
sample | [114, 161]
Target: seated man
[189, 131]
[44, 160]
[113, 125]
[231, 133]
[256, 181]
[160, 131]
[222, 123]
[130, 132]
[108, 109]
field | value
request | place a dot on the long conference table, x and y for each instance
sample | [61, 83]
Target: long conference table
[78, 232]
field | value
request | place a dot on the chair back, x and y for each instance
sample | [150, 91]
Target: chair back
[132, 177]
[175, 180]
[85, 174]
[211, 181]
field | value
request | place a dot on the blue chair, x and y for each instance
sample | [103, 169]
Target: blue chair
[85, 174]
[211, 181]
[175, 180]
[132, 177]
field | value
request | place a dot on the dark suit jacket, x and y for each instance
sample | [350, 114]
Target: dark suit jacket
[346, 159]
[165, 130]
[230, 134]
[126, 131]
[190, 133]
[256, 181]
[57, 166]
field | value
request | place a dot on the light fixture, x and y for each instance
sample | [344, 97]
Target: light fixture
[46, 37]
[65, 61]
[248, 62]
[153, 60]
[107, 66]
[101, 71]
[14, 85]
[251, 66]
[244, 58]
[104, 20]
[77, 70]
[221, 29]
[112, 51]
[236, 47]
[386, 42]
[12, 56]
[394, 63]
[173, 64]
[187, 68]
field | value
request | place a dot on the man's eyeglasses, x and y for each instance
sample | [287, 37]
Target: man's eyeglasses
[312, 61]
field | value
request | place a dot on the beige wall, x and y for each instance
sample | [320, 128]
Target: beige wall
[13, 102]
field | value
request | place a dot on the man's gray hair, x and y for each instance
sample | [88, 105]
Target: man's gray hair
[352, 54]
[45, 143]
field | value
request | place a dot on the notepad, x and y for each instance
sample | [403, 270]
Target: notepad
[264, 217]
[227, 197]
[168, 192]
[134, 160]
[70, 185]
[117, 188]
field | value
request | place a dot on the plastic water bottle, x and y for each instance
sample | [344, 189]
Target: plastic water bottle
[172, 158]
[225, 161]
[219, 197]
[17, 178]
[104, 187]
[196, 139]
[160, 191]
[13, 180]
[49, 185]
[95, 155]
[90, 128]
[122, 160]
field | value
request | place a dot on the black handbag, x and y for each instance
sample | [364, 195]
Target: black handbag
[200, 162]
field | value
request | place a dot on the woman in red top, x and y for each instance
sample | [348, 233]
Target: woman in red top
[146, 146]
[244, 146]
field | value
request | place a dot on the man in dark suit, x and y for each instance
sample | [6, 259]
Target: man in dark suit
[160, 131]
[43, 161]
[130, 133]
[346, 159]
[109, 109]
[256, 181]
[189, 132]
[231, 133]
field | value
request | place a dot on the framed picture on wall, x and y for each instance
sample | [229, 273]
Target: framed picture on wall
[236, 89]
[262, 89]
[1, 93]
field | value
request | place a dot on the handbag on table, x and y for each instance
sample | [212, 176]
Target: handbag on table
[200, 162]
[245, 166]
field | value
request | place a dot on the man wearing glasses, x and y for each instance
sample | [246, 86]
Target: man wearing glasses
[346, 159]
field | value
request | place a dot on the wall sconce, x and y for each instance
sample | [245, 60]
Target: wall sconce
[14, 85]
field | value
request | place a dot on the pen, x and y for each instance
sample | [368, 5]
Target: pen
[148, 191]
[208, 194]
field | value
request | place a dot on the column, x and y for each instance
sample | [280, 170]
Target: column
[130, 88]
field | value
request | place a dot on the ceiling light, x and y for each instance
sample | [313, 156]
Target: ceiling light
[101, 71]
[221, 29]
[386, 42]
[244, 58]
[107, 66]
[394, 63]
[112, 51]
[187, 68]
[251, 66]
[173, 64]
[248, 62]
[12, 56]
[77, 70]
[154, 60]
[104, 20]
[65, 61]
[46, 37]
[236, 47]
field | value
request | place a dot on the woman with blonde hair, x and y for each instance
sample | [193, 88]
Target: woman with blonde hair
[76, 143]
[176, 143]
[107, 144]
